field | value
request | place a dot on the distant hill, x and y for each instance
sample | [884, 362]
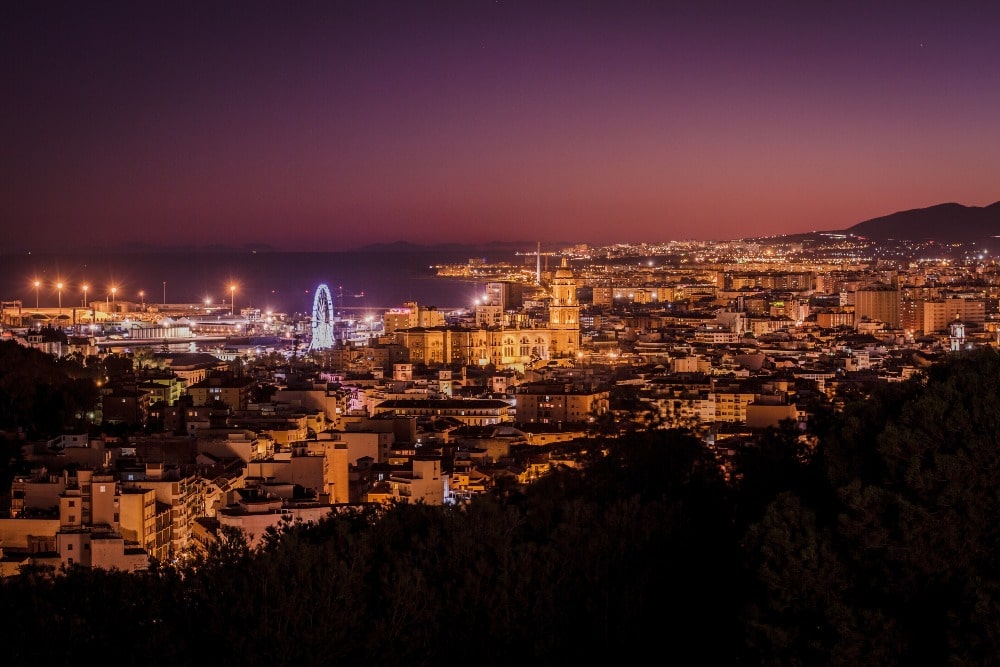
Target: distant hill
[946, 223]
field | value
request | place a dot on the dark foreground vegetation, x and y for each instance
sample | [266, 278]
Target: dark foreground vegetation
[881, 545]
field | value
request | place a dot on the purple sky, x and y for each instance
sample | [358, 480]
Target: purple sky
[330, 125]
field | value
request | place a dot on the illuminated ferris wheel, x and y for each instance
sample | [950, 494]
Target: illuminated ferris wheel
[322, 320]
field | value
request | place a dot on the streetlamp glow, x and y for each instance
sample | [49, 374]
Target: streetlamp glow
[59, 287]
[85, 288]
[37, 283]
[142, 299]
[232, 298]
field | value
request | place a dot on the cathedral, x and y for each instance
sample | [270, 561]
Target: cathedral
[516, 346]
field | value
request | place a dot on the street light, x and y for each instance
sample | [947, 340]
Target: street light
[59, 287]
[37, 283]
[164, 292]
[85, 288]
[142, 299]
[232, 297]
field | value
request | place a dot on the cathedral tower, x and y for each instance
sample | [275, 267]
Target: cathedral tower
[564, 312]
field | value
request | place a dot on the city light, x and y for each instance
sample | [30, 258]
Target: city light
[59, 287]
[37, 283]
[85, 288]
[232, 298]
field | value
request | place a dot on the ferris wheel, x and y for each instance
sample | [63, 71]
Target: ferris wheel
[322, 319]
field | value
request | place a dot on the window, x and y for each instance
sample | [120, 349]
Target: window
[69, 547]
[72, 503]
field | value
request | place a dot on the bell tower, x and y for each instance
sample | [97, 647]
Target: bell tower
[564, 311]
[956, 336]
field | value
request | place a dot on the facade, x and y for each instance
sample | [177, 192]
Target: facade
[505, 294]
[191, 368]
[502, 347]
[425, 482]
[243, 444]
[162, 386]
[928, 316]
[256, 512]
[878, 303]
[554, 403]
[145, 523]
[411, 315]
[182, 492]
[125, 406]
[833, 318]
[473, 411]
[762, 415]
[232, 391]
[498, 344]
[298, 467]
[360, 444]
[89, 525]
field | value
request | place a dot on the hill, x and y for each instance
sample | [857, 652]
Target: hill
[946, 223]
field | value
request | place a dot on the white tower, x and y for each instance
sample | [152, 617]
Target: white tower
[956, 335]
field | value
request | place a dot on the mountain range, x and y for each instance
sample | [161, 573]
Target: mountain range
[948, 224]
[945, 223]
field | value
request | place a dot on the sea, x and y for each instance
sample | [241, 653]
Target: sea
[280, 282]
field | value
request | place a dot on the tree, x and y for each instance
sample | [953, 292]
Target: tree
[896, 560]
[40, 395]
[142, 357]
[117, 366]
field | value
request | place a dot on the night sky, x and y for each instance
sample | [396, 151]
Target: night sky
[332, 125]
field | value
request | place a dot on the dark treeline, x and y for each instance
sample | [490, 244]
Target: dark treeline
[878, 543]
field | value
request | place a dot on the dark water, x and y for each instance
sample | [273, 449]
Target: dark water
[278, 281]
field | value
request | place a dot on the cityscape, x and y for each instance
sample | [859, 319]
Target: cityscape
[402, 333]
[207, 418]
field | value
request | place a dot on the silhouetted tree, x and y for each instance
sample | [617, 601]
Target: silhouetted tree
[117, 366]
[40, 395]
[884, 552]
[899, 564]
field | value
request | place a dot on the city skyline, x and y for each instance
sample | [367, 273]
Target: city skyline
[332, 126]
